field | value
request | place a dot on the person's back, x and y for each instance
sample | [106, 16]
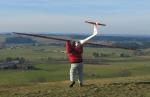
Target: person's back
[75, 57]
[74, 52]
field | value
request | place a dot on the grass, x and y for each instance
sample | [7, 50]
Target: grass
[111, 68]
[31, 53]
[44, 73]
[44, 53]
[116, 77]
[111, 87]
[47, 73]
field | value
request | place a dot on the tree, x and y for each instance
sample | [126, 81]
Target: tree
[124, 55]
[95, 54]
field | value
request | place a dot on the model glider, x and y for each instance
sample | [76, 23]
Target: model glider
[84, 41]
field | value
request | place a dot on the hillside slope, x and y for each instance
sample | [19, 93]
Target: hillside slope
[110, 87]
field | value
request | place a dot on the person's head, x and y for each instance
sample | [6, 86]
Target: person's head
[75, 43]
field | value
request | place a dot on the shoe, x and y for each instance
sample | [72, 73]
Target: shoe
[81, 85]
[71, 85]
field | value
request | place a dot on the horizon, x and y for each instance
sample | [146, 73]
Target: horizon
[53, 33]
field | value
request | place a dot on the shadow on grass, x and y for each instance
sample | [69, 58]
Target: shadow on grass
[88, 85]
[127, 83]
[143, 82]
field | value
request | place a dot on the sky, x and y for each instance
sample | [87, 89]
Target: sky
[68, 16]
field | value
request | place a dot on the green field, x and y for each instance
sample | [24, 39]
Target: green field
[115, 77]
[46, 73]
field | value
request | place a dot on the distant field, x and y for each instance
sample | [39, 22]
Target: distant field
[32, 53]
[2, 38]
[36, 53]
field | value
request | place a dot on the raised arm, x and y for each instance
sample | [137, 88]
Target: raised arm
[68, 46]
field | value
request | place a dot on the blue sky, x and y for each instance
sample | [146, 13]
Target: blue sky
[68, 16]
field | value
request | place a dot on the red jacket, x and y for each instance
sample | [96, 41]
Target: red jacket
[75, 53]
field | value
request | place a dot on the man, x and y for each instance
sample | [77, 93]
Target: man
[75, 51]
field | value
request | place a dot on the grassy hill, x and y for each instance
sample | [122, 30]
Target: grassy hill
[111, 87]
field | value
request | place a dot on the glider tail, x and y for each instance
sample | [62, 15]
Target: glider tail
[95, 32]
[95, 23]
